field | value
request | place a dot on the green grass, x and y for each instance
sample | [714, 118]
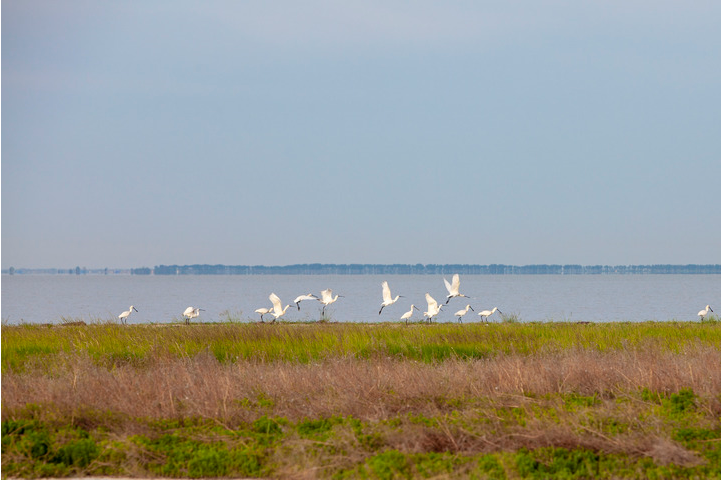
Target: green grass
[115, 345]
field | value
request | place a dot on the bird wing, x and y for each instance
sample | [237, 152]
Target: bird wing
[276, 302]
[455, 283]
[385, 291]
[448, 286]
[431, 302]
[326, 296]
[460, 313]
[188, 311]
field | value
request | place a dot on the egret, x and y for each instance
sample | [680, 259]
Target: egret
[704, 312]
[124, 316]
[408, 315]
[277, 312]
[262, 311]
[463, 312]
[433, 307]
[453, 288]
[485, 314]
[191, 312]
[307, 297]
[326, 299]
[386, 293]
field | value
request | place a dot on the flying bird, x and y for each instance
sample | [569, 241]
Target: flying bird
[485, 314]
[262, 311]
[432, 309]
[463, 312]
[408, 315]
[191, 312]
[277, 311]
[704, 312]
[326, 299]
[307, 297]
[386, 293]
[124, 316]
[453, 288]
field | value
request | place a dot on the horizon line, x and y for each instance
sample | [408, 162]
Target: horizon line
[367, 268]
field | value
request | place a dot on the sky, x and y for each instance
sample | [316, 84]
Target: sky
[474, 132]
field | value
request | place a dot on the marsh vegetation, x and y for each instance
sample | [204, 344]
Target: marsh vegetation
[325, 400]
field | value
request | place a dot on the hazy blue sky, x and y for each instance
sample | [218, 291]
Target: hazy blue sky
[517, 132]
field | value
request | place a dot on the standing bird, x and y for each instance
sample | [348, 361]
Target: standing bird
[453, 288]
[485, 314]
[463, 312]
[386, 293]
[124, 316]
[704, 312]
[262, 311]
[307, 297]
[408, 315]
[191, 312]
[326, 299]
[277, 312]
[432, 309]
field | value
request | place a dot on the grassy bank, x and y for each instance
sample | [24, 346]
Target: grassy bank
[624, 400]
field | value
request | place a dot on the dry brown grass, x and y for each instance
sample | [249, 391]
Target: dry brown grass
[369, 389]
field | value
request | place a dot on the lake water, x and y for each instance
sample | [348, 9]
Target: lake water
[51, 298]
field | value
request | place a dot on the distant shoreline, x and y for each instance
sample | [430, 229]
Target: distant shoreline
[382, 269]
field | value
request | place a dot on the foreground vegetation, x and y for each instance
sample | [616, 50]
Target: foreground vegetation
[509, 400]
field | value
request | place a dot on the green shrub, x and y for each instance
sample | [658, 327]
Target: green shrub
[77, 453]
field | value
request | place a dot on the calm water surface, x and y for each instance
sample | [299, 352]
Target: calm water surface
[39, 298]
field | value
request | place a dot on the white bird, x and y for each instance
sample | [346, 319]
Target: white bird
[485, 314]
[307, 297]
[408, 315]
[124, 316]
[433, 307]
[326, 299]
[262, 311]
[463, 312]
[453, 288]
[277, 311]
[191, 312]
[386, 293]
[704, 312]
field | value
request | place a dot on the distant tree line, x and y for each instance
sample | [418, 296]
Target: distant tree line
[421, 269]
[383, 269]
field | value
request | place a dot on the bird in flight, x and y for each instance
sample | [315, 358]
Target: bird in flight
[453, 288]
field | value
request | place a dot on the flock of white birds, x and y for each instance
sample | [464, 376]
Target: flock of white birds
[432, 310]
[433, 307]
